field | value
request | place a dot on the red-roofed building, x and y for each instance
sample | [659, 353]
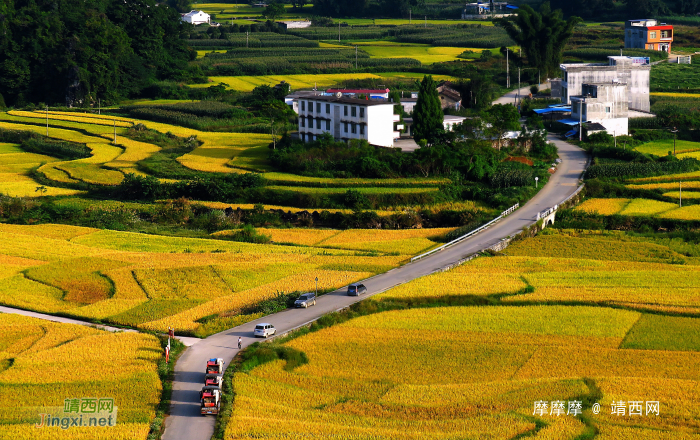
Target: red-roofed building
[352, 93]
[648, 34]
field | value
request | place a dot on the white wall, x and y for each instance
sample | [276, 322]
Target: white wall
[615, 127]
[380, 126]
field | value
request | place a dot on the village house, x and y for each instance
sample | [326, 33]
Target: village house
[648, 34]
[196, 17]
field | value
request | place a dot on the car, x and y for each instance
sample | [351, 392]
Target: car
[356, 289]
[264, 330]
[306, 300]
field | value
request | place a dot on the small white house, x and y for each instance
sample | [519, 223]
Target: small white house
[196, 17]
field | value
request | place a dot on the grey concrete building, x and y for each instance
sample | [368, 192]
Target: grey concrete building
[602, 103]
[630, 71]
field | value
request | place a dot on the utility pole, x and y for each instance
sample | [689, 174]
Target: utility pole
[409, 16]
[338, 32]
[680, 195]
[426, 22]
[115, 132]
[507, 71]
[355, 57]
[674, 131]
[99, 107]
[246, 40]
[272, 131]
[47, 121]
[518, 84]
[580, 118]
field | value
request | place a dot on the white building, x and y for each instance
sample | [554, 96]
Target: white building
[294, 24]
[604, 104]
[347, 118]
[634, 72]
[196, 17]
[352, 93]
[449, 121]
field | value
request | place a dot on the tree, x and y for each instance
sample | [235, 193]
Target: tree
[542, 35]
[477, 92]
[298, 3]
[273, 10]
[646, 8]
[502, 118]
[427, 114]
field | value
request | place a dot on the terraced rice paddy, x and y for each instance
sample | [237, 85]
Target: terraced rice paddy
[64, 364]
[478, 371]
[153, 282]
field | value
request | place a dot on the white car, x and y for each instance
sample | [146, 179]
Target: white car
[264, 330]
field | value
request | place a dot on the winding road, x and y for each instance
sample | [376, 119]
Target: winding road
[185, 421]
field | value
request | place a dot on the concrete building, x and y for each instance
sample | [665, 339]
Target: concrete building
[602, 103]
[648, 34]
[487, 10]
[347, 118]
[292, 99]
[196, 17]
[633, 72]
[294, 24]
[408, 104]
[448, 122]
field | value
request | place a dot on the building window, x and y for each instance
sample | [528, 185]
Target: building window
[302, 121]
[362, 112]
[345, 111]
[354, 111]
[328, 109]
[354, 127]
[652, 35]
[328, 124]
[318, 107]
[318, 124]
[303, 106]
[345, 126]
[665, 34]
[362, 128]
[311, 122]
[607, 109]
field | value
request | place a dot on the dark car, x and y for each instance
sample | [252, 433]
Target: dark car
[356, 289]
[306, 300]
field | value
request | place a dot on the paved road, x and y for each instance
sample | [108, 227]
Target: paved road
[185, 421]
[510, 97]
[184, 339]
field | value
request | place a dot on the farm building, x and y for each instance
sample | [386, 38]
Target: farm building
[487, 10]
[353, 93]
[631, 71]
[648, 34]
[196, 17]
[449, 95]
[604, 104]
[347, 118]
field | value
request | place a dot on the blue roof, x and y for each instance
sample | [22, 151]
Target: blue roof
[511, 7]
[569, 121]
[556, 109]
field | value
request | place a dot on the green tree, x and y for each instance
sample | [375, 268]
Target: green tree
[477, 92]
[541, 35]
[501, 118]
[298, 3]
[646, 8]
[273, 10]
[427, 114]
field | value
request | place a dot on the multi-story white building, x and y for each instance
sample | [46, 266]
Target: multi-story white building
[604, 104]
[347, 118]
[631, 71]
[196, 17]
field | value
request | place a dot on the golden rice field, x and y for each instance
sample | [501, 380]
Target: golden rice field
[400, 242]
[43, 363]
[470, 372]
[645, 207]
[308, 81]
[662, 147]
[219, 152]
[15, 165]
[154, 282]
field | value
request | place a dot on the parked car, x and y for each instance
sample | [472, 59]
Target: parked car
[264, 330]
[356, 289]
[306, 300]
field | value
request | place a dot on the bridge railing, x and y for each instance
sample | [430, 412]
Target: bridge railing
[469, 234]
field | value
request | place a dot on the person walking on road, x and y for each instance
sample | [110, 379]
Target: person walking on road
[240, 342]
